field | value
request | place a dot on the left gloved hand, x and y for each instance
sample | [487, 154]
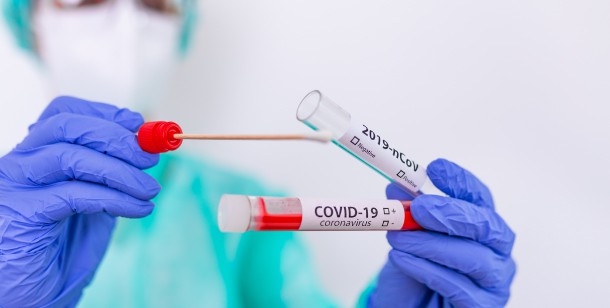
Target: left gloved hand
[61, 189]
[463, 258]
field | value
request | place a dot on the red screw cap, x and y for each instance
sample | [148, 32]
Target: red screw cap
[409, 222]
[158, 137]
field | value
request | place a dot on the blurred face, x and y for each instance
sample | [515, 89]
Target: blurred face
[121, 52]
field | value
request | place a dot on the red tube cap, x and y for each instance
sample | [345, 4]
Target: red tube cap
[158, 137]
[409, 223]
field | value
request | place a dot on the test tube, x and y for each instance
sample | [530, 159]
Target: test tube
[362, 141]
[240, 213]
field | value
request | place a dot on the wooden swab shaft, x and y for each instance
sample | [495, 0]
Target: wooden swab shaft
[317, 136]
[239, 137]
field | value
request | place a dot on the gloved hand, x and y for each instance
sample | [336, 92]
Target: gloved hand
[60, 190]
[463, 259]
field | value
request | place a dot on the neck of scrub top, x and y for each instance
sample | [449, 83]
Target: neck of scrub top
[162, 171]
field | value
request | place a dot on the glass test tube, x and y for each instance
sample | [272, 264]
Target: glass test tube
[362, 141]
[240, 213]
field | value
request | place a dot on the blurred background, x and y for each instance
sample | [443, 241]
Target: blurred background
[516, 91]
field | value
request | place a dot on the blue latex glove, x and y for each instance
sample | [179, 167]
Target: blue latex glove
[463, 259]
[60, 190]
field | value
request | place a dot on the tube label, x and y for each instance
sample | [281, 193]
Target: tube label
[362, 141]
[327, 214]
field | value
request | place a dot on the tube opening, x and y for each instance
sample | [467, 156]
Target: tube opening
[309, 105]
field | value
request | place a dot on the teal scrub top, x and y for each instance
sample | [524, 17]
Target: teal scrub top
[177, 257]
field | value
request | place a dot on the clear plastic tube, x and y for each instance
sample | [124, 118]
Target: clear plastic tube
[362, 141]
[240, 213]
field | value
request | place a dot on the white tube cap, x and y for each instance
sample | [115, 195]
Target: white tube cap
[234, 213]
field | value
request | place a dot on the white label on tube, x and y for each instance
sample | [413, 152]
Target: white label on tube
[379, 153]
[328, 214]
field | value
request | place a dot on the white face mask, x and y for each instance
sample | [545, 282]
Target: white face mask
[118, 52]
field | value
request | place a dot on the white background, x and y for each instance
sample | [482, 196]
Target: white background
[517, 91]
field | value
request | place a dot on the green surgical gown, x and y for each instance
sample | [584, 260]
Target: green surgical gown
[177, 257]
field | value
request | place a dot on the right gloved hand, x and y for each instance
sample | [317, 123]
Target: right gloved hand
[461, 259]
[60, 190]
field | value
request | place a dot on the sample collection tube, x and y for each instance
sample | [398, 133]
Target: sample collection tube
[240, 213]
[362, 141]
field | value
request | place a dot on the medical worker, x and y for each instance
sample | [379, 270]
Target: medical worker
[77, 219]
